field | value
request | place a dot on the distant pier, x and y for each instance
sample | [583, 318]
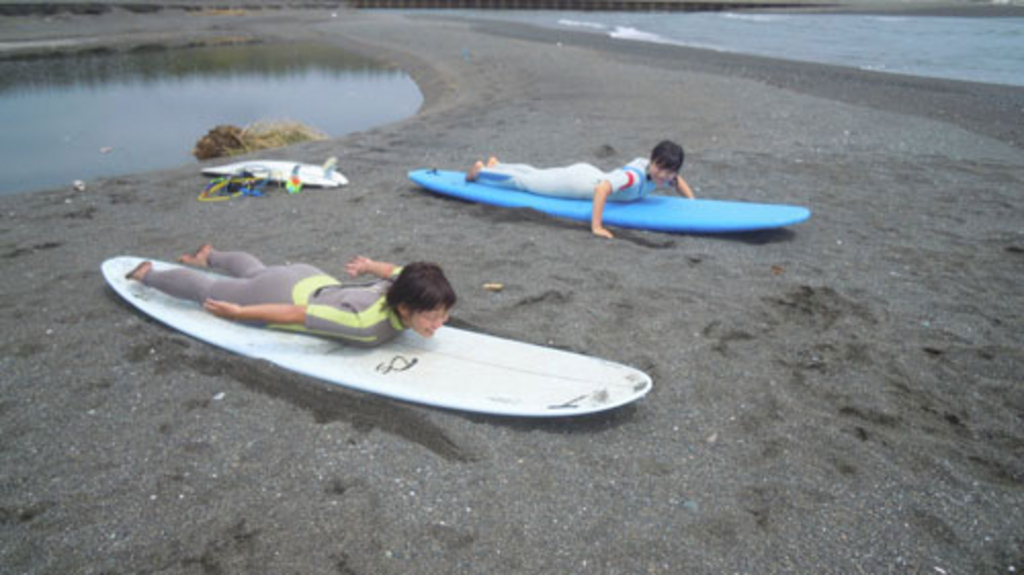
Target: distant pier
[582, 5]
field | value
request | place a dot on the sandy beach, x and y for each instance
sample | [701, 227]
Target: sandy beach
[842, 396]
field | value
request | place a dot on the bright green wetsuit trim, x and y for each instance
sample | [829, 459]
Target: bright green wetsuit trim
[356, 313]
[369, 340]
[304, 289]
[373, 315]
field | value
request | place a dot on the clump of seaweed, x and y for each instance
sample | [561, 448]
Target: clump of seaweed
[226, 140]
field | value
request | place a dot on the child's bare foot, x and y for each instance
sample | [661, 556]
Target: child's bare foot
[139, 272]
[474, 171]
[199, 259]
[492, 161]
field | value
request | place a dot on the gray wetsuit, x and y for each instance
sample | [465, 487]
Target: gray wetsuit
[356, 313]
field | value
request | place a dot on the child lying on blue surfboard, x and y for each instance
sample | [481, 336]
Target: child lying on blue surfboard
[635, 180]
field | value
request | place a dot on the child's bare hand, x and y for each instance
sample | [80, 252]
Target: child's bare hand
[222, 309]
[359, 265]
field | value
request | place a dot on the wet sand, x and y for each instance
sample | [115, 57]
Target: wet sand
[842, 396]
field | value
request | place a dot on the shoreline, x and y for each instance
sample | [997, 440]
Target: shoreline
[988, 109]
[837, 396]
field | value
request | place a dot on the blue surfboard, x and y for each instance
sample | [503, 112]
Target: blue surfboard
[657, 213]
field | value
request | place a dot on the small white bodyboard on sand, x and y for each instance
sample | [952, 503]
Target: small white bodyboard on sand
[455, 369]
[280, 171]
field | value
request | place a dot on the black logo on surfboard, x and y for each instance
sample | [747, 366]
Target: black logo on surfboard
[397, 363]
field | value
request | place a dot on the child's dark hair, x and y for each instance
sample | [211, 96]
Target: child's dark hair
[668, 155]
[421, 286]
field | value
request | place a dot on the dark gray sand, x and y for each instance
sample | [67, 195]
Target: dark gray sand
[844, 396]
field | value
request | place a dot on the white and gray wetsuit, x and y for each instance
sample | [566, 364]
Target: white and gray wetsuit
[577, 181]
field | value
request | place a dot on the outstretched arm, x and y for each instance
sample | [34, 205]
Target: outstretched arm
[364, 265]
[683, 188]
[601, 193]
[263, 313]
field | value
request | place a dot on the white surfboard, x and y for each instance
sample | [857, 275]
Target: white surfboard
[281, 171]
[455, 369]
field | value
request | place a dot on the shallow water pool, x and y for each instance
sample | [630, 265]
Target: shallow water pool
[88, 116]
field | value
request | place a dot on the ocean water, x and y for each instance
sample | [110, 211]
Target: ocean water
[989, 50]
[90, 116]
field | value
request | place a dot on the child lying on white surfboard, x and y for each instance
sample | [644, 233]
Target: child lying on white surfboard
[301, 297]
